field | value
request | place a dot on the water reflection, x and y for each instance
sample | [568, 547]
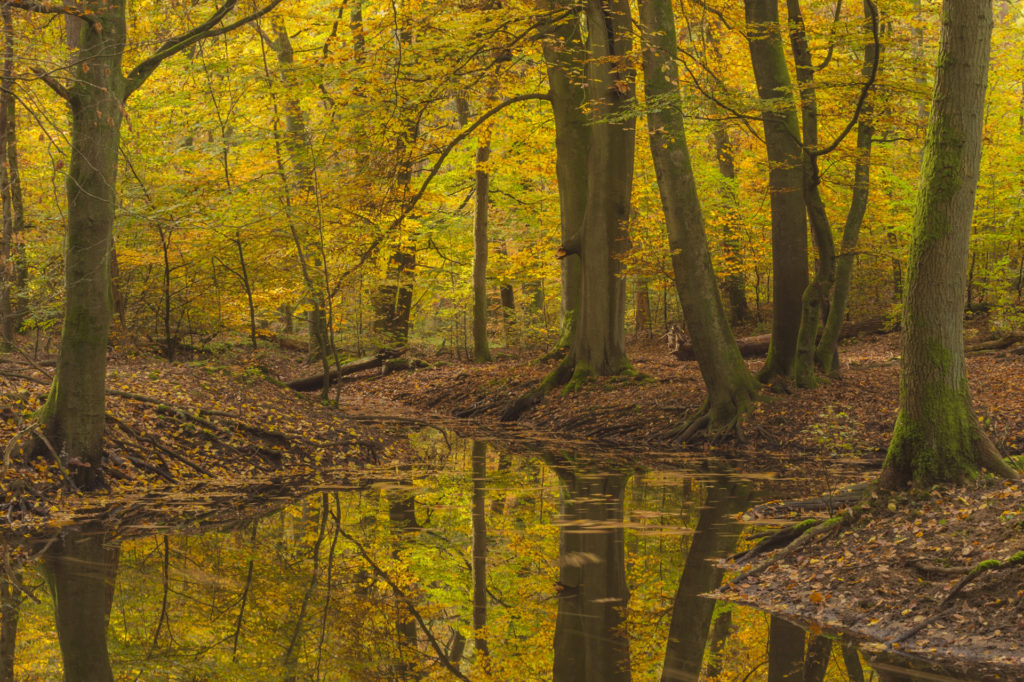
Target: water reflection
[591, 640]
[80, 569]
[715, 538]
[485, 566]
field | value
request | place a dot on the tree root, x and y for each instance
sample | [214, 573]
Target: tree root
[703, 427]
[789, 540]
[983, 567]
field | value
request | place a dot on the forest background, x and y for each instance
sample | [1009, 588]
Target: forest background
[348, 165]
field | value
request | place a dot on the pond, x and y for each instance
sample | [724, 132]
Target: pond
[477, 564]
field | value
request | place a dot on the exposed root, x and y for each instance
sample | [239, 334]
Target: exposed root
[789, 540]
[559, 376]
[983, 567]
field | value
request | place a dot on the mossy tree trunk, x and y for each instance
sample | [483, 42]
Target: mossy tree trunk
[73, 415]
[785, 183]
[730, 385]
[599, 346]
[937, 437]
[564, 55]
[815, 296]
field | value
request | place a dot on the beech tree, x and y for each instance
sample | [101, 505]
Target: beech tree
[785, 183]
[71, 420]
[730, 385]
[937, 437]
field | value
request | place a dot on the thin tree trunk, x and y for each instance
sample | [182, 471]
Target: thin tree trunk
[785, 183]
[481, 349]
[785, 651]
[815, 296]
[937, 437]
[828, 344]
[479, 514]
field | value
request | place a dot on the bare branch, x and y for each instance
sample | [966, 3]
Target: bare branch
[54, 84]
[144, 69]
[868, 84]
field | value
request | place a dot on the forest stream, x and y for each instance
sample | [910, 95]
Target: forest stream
[477, 563]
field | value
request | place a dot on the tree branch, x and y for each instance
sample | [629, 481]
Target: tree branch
[415, 198]
[40, 8]
[144, 69]
[54, 84]
[873, 10]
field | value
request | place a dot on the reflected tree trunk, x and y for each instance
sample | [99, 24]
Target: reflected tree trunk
[10, 610]
[479, 514]
[715, 538]
[80, 571]
[402, 514]
[591, 640]
[785, 651]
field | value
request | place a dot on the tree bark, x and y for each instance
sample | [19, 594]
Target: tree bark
[785, 183]
[937, 438]
[598, 346]
[815, 296]
[730, 386]
[481, 349]
[12, 258]
[564, 55]
[73, 415]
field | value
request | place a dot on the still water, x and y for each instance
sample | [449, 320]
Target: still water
[476, 565]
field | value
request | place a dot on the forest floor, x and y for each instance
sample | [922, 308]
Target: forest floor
[190, 436]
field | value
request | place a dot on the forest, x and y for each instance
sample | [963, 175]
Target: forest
[717, 293]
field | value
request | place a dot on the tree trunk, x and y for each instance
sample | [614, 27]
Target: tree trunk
[827, 349]
[564, 55]
[735, 279]
[729, 384]
[937, 438]
[481, 349]
[74, 412]
[599, 342]
[785, 183]
[12, 257]
[815, 297]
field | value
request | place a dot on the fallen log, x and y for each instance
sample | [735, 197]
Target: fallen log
[757, 346]
[994, 344]
[316, 382]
